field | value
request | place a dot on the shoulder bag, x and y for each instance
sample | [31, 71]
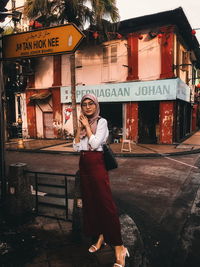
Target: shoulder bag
[109, 158]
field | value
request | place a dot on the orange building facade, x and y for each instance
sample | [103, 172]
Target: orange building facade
[144, 82]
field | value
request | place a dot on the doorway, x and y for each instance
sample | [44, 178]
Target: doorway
[148, 122]
[112, 112]
[183, 127]
[48, 125]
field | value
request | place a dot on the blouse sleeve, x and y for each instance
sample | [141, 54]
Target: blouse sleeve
[100, 136]
[77, 146]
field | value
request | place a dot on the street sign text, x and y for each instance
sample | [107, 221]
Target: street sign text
[56, 40]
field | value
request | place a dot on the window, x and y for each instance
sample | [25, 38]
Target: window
[105, 55]
[109, 66]
[113, 54]
[109, 54]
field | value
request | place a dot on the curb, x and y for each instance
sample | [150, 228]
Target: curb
[125, 155]
[195, 151]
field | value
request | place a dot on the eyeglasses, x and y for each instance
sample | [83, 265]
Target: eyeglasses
[89, 104]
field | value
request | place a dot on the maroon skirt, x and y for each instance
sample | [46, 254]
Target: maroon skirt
[99, 211]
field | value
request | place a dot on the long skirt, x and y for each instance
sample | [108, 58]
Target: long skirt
[99, 211]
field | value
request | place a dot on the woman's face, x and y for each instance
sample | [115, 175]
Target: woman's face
[88, 107]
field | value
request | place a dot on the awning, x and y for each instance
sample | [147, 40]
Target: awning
[40, 96]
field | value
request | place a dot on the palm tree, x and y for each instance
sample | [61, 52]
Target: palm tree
[81, 12]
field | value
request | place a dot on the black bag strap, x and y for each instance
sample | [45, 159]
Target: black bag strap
[106, 143]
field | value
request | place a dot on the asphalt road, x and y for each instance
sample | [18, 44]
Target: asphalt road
[158, 193]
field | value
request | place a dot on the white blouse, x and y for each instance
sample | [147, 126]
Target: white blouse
[96, 140]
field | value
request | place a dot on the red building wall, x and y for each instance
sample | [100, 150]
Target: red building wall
[132, 56]
[194, 117]
[167, 110]
[167, 54]
[56, 104]
[31, 109]
[31, 114]
[57, 70]
[166, 122]
[132, 121]
[132, 107]
[56, 101]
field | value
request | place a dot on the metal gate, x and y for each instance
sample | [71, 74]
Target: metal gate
[53, 193]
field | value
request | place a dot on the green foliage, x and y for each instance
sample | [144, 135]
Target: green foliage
[80, 12]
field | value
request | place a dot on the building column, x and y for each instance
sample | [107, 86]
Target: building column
[57, 70]
[167, 56]
[166, 122]
[132, 121]
[194, 117]
[56, 100]
[57, 107]
[132, 56]
[31, 114]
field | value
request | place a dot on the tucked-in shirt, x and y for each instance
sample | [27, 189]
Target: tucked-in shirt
[96, 140]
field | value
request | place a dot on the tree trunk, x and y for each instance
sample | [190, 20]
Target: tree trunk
[73, 92]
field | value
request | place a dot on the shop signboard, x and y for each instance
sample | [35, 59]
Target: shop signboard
[48, 41]
[183, 91]
[168, 89]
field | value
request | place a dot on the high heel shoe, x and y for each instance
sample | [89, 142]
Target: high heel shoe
[93, 248]
[124, 254]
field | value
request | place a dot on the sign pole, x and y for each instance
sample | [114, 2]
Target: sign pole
[73, 92]
[2, 132]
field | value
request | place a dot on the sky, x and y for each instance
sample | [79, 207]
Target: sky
[133, 8]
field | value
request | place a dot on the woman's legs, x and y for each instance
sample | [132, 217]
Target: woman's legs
[120, 254]
[97, 245]
[120, 251]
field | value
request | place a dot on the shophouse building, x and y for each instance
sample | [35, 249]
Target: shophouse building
[144, 78]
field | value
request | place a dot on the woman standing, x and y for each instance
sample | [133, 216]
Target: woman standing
[99, 211]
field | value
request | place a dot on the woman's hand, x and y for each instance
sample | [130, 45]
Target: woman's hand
[85, 124]
[84, 121]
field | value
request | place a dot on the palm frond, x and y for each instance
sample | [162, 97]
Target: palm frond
[76, 11]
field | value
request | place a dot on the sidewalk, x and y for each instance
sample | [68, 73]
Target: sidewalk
[56, 247]
[48, 242]
[190, 145]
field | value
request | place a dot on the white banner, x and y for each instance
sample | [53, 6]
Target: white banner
[183, 91]
[168, 89]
